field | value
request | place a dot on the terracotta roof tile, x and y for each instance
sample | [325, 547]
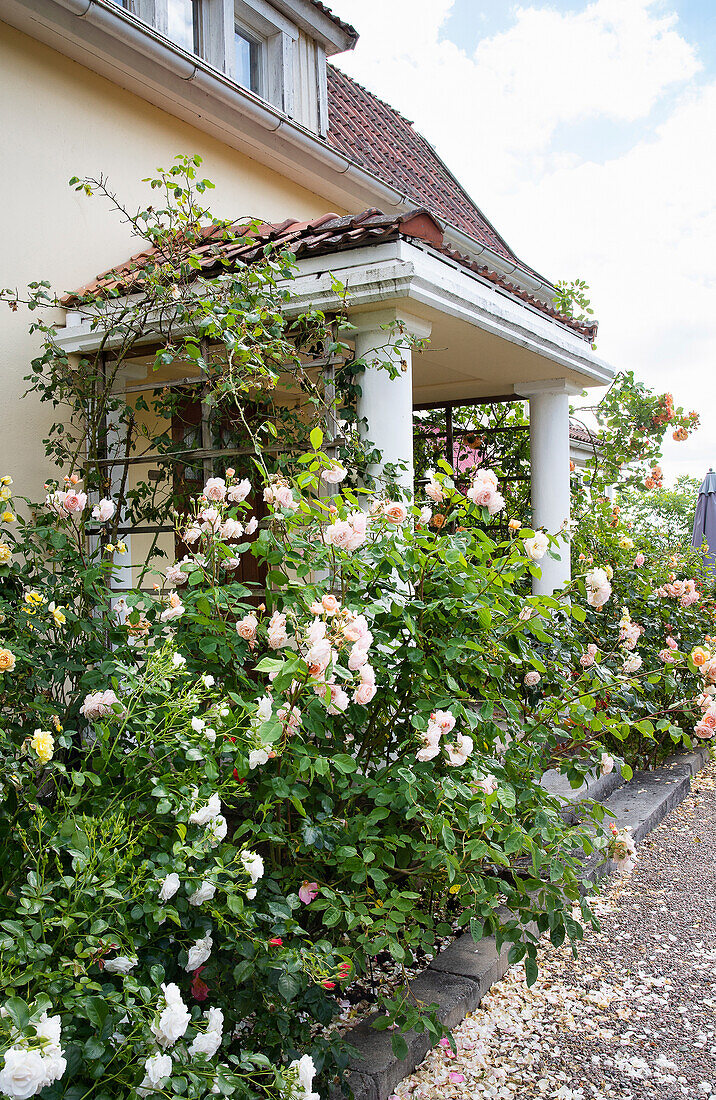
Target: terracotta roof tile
[379, 139]
[320, 236]
[339, 22]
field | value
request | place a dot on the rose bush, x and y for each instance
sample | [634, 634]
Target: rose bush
[212, 824]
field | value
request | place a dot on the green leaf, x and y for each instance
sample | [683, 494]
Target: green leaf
[316, 438]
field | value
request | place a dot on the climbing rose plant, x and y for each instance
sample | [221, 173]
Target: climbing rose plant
[212, 824]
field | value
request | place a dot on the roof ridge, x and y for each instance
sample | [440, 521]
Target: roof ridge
[383, 102]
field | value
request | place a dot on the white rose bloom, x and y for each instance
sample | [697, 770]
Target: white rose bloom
[23, 1074]
[178, 661]
[257, 757]
[156, 1068]
[251, 894]
[206, 813]
[306, 1071]
[50, 1028]
[537, 547]
[204, 893]
[174, 1018]
[55, 1064]
[253, 865]
[209, 680]
[208, 1043]
[264, 710]
[197, 724]
[198, 954]
[169, 887]
[122, 964]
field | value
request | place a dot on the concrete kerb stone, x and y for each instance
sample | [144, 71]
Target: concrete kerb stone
[463, 973]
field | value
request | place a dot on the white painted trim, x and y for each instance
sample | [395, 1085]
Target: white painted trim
[119, 46]
[400, 272]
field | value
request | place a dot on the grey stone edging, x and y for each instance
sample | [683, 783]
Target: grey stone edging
[462, 974]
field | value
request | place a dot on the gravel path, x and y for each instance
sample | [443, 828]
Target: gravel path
[633, 1017]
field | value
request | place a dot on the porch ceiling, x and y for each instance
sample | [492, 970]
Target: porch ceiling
[483, 342]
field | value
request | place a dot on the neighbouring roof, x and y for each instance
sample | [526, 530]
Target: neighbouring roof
[380, 140]
[321, 236]
[582, 434]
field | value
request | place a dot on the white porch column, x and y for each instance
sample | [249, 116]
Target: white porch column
[549, 473]
[387, 403]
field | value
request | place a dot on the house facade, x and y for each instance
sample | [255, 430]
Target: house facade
[93, 86]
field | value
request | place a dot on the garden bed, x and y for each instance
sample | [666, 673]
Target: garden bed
[460, 975]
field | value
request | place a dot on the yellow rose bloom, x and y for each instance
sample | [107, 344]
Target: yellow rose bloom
[5, 553]
[6, 480]
[8, 516]
[5, 493]
[626, 543]
[121, 548]
[34, 598]
[57, 614]
[44, 745]
[7, 660]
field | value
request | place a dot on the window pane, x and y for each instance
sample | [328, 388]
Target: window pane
[181, 24]
[246, 64]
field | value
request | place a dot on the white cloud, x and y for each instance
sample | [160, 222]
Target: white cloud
[640, 227]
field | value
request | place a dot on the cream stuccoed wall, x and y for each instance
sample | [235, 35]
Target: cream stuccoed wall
[60, 120]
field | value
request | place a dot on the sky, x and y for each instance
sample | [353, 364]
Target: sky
[586, 133]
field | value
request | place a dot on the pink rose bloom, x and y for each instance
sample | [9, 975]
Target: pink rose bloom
[175, 609]
[703, 732]
[215, 489]
[308, 891]
[237, 493]
[316, 608]
[427, 753]
[364, 693]
[277, 636]
[672, 642]
[104, 510]
[251, 526]
[709, 718]
[587, 659]
[284, 498]
[359, 530]
[231, 564]
[319, 656]
[316, 631]
[330, 604]
[246, 628]
[231, 529]
[191, 534]
[480, 494]
[532, 678]
[334, 475]
[606, 764]
[639, 560]
[486, 477]
[339, 699]
[444, 720]
[488, 784]
[99, 704]
[435, 491]
[395, 511]
[357, 657]
[269, 495]
[175, 574]
[356, 628]
[291, 720]
[74, 503]
[210, 520]
[459, 750]
[496, 503]
[537, 546]
[367, 674]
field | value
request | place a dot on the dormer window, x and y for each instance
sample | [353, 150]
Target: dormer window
[184, 24]
[248, 60]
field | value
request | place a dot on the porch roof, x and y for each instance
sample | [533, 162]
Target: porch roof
[321, 236]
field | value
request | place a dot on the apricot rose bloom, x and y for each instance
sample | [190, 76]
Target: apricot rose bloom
[7, 660]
